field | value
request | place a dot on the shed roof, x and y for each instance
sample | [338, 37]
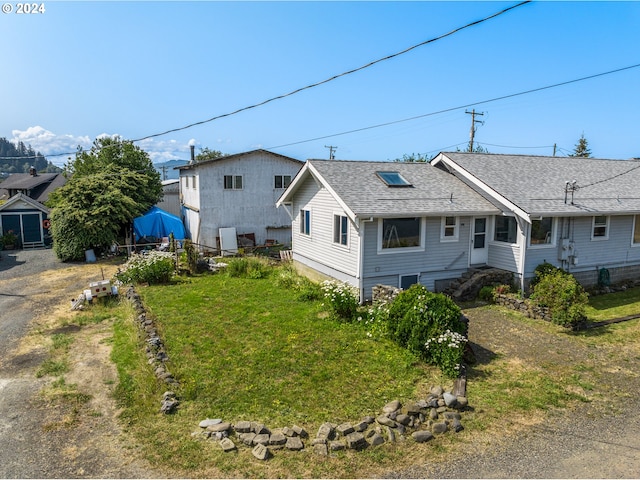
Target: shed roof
[237, 156]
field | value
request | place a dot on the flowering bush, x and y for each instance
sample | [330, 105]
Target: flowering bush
[152, 267]
[342, 299]
[563, 295]
[374, 319]
[446, 351]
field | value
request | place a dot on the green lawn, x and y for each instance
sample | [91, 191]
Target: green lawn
[245, 349]
[614, 305]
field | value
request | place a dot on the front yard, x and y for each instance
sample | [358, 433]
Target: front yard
[246, 349]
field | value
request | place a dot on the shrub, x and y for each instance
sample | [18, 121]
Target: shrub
[248, 267]
[446, 351]
[486, 294]
[541, 271]
[563, 295]
[342, 299]
[417, 316]
[151, 267]
[287, 277]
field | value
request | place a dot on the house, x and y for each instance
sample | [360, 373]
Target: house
[170, 197]
[237, 191]
[368, 223]
[398, 223]
[24, 212]
[579, 214]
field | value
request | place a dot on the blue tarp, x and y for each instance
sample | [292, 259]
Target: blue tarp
[157, 223]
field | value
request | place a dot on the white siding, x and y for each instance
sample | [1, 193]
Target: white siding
[439, 260]
[504, 255]
[318, 247]
[250, 209]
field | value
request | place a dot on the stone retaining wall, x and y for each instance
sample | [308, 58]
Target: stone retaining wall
[524, 306]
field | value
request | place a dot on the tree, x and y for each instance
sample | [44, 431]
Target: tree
[207, 154]
[414, 158]
[108, 187]
[581, 149]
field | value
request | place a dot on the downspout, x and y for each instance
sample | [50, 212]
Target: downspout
[524, 228]
[360, 266]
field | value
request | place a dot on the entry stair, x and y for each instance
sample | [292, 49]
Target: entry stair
[468, 286]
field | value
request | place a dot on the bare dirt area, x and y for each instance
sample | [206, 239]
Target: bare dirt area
[54, 431]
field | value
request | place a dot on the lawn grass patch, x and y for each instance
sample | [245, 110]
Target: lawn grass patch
[614, 305]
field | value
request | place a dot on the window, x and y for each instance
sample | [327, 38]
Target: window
[194, 182]
[340, 229]
[542, 231]
[282, 181]
[400, 232]
[186, 182]
[233, 182]
[393, 179]
[636, 230]
[449, 229]
[506, 230]
[305, 222]
[407, 280]
[600, 229]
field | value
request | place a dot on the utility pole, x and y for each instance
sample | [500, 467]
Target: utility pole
[332, 151]
[554, 149]
[164, 172]
[473, 114]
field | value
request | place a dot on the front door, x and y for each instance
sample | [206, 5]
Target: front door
[479, 248]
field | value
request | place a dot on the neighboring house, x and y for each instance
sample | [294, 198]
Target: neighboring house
[580, 214]
[401, 223]
[368, 223]
[171, 197]
[237, 191]
[24, 212]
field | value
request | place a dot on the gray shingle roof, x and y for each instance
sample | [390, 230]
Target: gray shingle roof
[433, 191]
[537, 184]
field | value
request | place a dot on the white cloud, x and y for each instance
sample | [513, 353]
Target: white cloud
[49, 143]
[52, 145]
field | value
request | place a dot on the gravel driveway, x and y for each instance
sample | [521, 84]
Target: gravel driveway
[29, 449]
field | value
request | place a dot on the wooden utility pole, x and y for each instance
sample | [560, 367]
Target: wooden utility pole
[332, 151]
[473, 114]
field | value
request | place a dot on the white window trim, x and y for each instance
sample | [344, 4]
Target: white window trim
[391, 251]
[444, 226]
[302, 222]
[633, 229]
[536, 246]
[333, 242]
[593, 227]
[498, 242]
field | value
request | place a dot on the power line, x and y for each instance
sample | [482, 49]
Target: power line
[495, 99]
[334, 77]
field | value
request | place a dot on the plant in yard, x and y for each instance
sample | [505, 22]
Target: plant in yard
[342, 299]
[9, 239]
[374, 319]
[564, 296]
[446, 351]
[417, 315]
[152, 267]
[248, 267]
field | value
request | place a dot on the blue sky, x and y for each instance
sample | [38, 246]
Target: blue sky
[84, 69]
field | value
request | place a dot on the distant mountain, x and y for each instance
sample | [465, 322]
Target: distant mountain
[19, 158]
[166, 169]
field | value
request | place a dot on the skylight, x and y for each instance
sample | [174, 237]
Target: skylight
[393, 179]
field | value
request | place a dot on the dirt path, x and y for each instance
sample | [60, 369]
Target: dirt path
[42, 438]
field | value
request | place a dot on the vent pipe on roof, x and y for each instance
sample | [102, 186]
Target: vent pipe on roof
[33, 172]
[193, 153]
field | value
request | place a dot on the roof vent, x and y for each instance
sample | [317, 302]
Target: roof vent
[33, 172]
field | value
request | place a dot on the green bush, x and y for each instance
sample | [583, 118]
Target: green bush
[563, 295]
[342, 299]
[486, 294]
[417, 316]
[248, 267]
[153, 267]
[541, 271]
[446, 351]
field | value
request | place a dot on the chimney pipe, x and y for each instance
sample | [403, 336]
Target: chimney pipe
[33, 172]
[193, 155]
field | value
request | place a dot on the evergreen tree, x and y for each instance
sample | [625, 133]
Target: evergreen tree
[582, 148]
